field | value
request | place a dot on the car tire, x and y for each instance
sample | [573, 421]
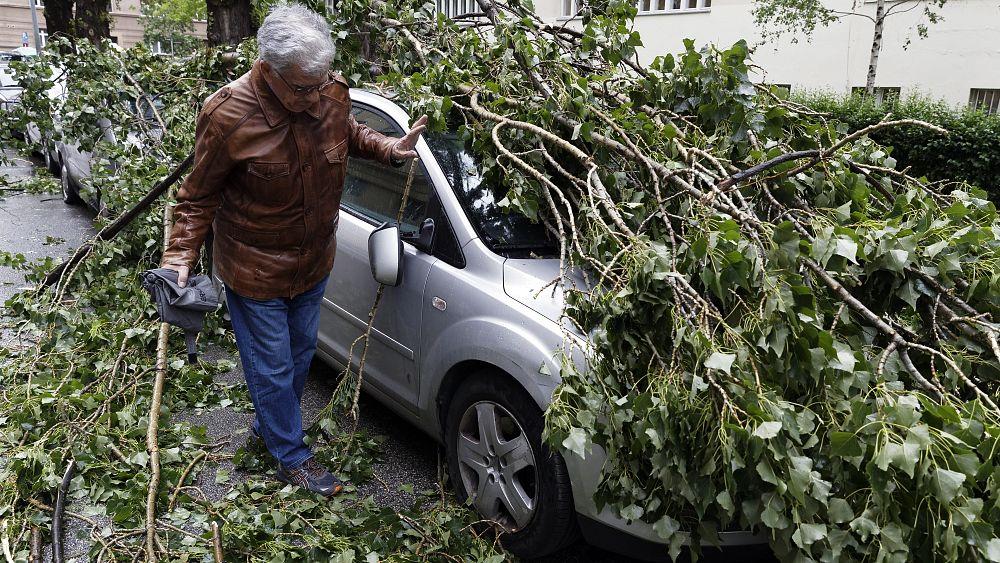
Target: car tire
[517, 419]
[51, 163]
[69, 193]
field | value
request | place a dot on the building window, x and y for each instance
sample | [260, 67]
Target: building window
[570, 8]
[456, 8]
[986, 99]
[44, 37]
[881, 95]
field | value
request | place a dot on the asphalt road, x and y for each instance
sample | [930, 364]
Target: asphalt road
[42, 225]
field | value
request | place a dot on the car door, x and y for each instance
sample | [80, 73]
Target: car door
[372, 195]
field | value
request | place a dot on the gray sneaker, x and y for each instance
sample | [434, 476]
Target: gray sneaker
[312, 476]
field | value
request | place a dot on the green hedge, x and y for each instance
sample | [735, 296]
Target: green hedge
[970, 153]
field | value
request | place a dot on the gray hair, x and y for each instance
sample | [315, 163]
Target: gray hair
[295, 35]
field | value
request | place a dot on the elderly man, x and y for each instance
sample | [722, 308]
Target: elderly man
[270, 158]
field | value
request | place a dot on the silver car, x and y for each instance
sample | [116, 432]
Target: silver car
[467, 345]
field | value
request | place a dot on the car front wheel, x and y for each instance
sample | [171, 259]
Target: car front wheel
[50, 163]
[500, 466]
[68, 192]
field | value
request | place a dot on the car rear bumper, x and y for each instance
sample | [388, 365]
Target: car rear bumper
[606, 529]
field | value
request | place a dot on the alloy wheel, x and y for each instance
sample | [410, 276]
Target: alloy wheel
[64, 180]
[497, 465]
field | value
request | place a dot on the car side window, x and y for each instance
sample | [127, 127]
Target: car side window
[375, 191]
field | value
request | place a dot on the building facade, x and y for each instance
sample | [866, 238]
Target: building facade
[958, 62]
[126, 24]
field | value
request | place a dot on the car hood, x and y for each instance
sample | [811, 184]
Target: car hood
[533, 282]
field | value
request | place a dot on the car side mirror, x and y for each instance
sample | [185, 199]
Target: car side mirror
[385, 255]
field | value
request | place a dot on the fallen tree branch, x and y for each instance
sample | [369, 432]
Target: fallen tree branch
[111, 231]
[58, 550]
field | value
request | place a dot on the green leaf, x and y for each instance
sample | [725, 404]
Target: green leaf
[720, 361]
[808, 534]
[897, 260]
[992, 550]
[767, 430]
[845, 444]
[666, 527]
[947, 484]
[847, 248]
[577, 442]
[840, 511]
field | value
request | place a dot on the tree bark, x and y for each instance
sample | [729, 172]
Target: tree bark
[876, 47]
[93, 20]
[230, 21]
[59, 18]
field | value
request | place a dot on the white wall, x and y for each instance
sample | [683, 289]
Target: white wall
[961, 52]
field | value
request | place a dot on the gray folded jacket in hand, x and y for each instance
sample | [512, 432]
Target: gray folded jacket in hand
[183, 307]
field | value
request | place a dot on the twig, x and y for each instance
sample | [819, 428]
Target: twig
[216, 542]
[35, 555]
[152, 432]
[180, 482]
[5, 543]
[57, 514]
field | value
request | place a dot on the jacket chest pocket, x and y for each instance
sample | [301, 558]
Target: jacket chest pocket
[270, 181]
[335, 156]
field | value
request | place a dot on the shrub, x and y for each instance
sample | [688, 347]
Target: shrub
[971, 152]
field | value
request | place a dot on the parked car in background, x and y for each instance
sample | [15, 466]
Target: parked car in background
[44, 142]
[75, 165]
[10, 90]
[467, 345]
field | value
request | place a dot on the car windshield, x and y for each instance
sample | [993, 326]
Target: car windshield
[503, 230]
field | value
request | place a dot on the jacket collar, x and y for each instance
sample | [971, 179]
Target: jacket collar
[270, 104]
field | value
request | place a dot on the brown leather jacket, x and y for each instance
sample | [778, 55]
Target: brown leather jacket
[269, 182]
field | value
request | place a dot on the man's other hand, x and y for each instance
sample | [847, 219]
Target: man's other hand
[403, 148]
[182, 273]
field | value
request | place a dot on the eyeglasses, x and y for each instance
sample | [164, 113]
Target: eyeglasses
[300, 90]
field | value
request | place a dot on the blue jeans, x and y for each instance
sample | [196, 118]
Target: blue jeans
[276, 339]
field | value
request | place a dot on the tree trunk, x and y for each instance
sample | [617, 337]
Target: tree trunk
[93, 21]
[876, 47]
[229, 21]
[59, 18]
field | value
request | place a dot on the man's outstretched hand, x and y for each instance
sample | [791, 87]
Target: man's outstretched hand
[182, 273]
[403, 148]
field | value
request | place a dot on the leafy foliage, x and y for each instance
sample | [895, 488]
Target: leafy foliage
[968, 153]
[785, 332]
[172, 20]
[801, 18]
